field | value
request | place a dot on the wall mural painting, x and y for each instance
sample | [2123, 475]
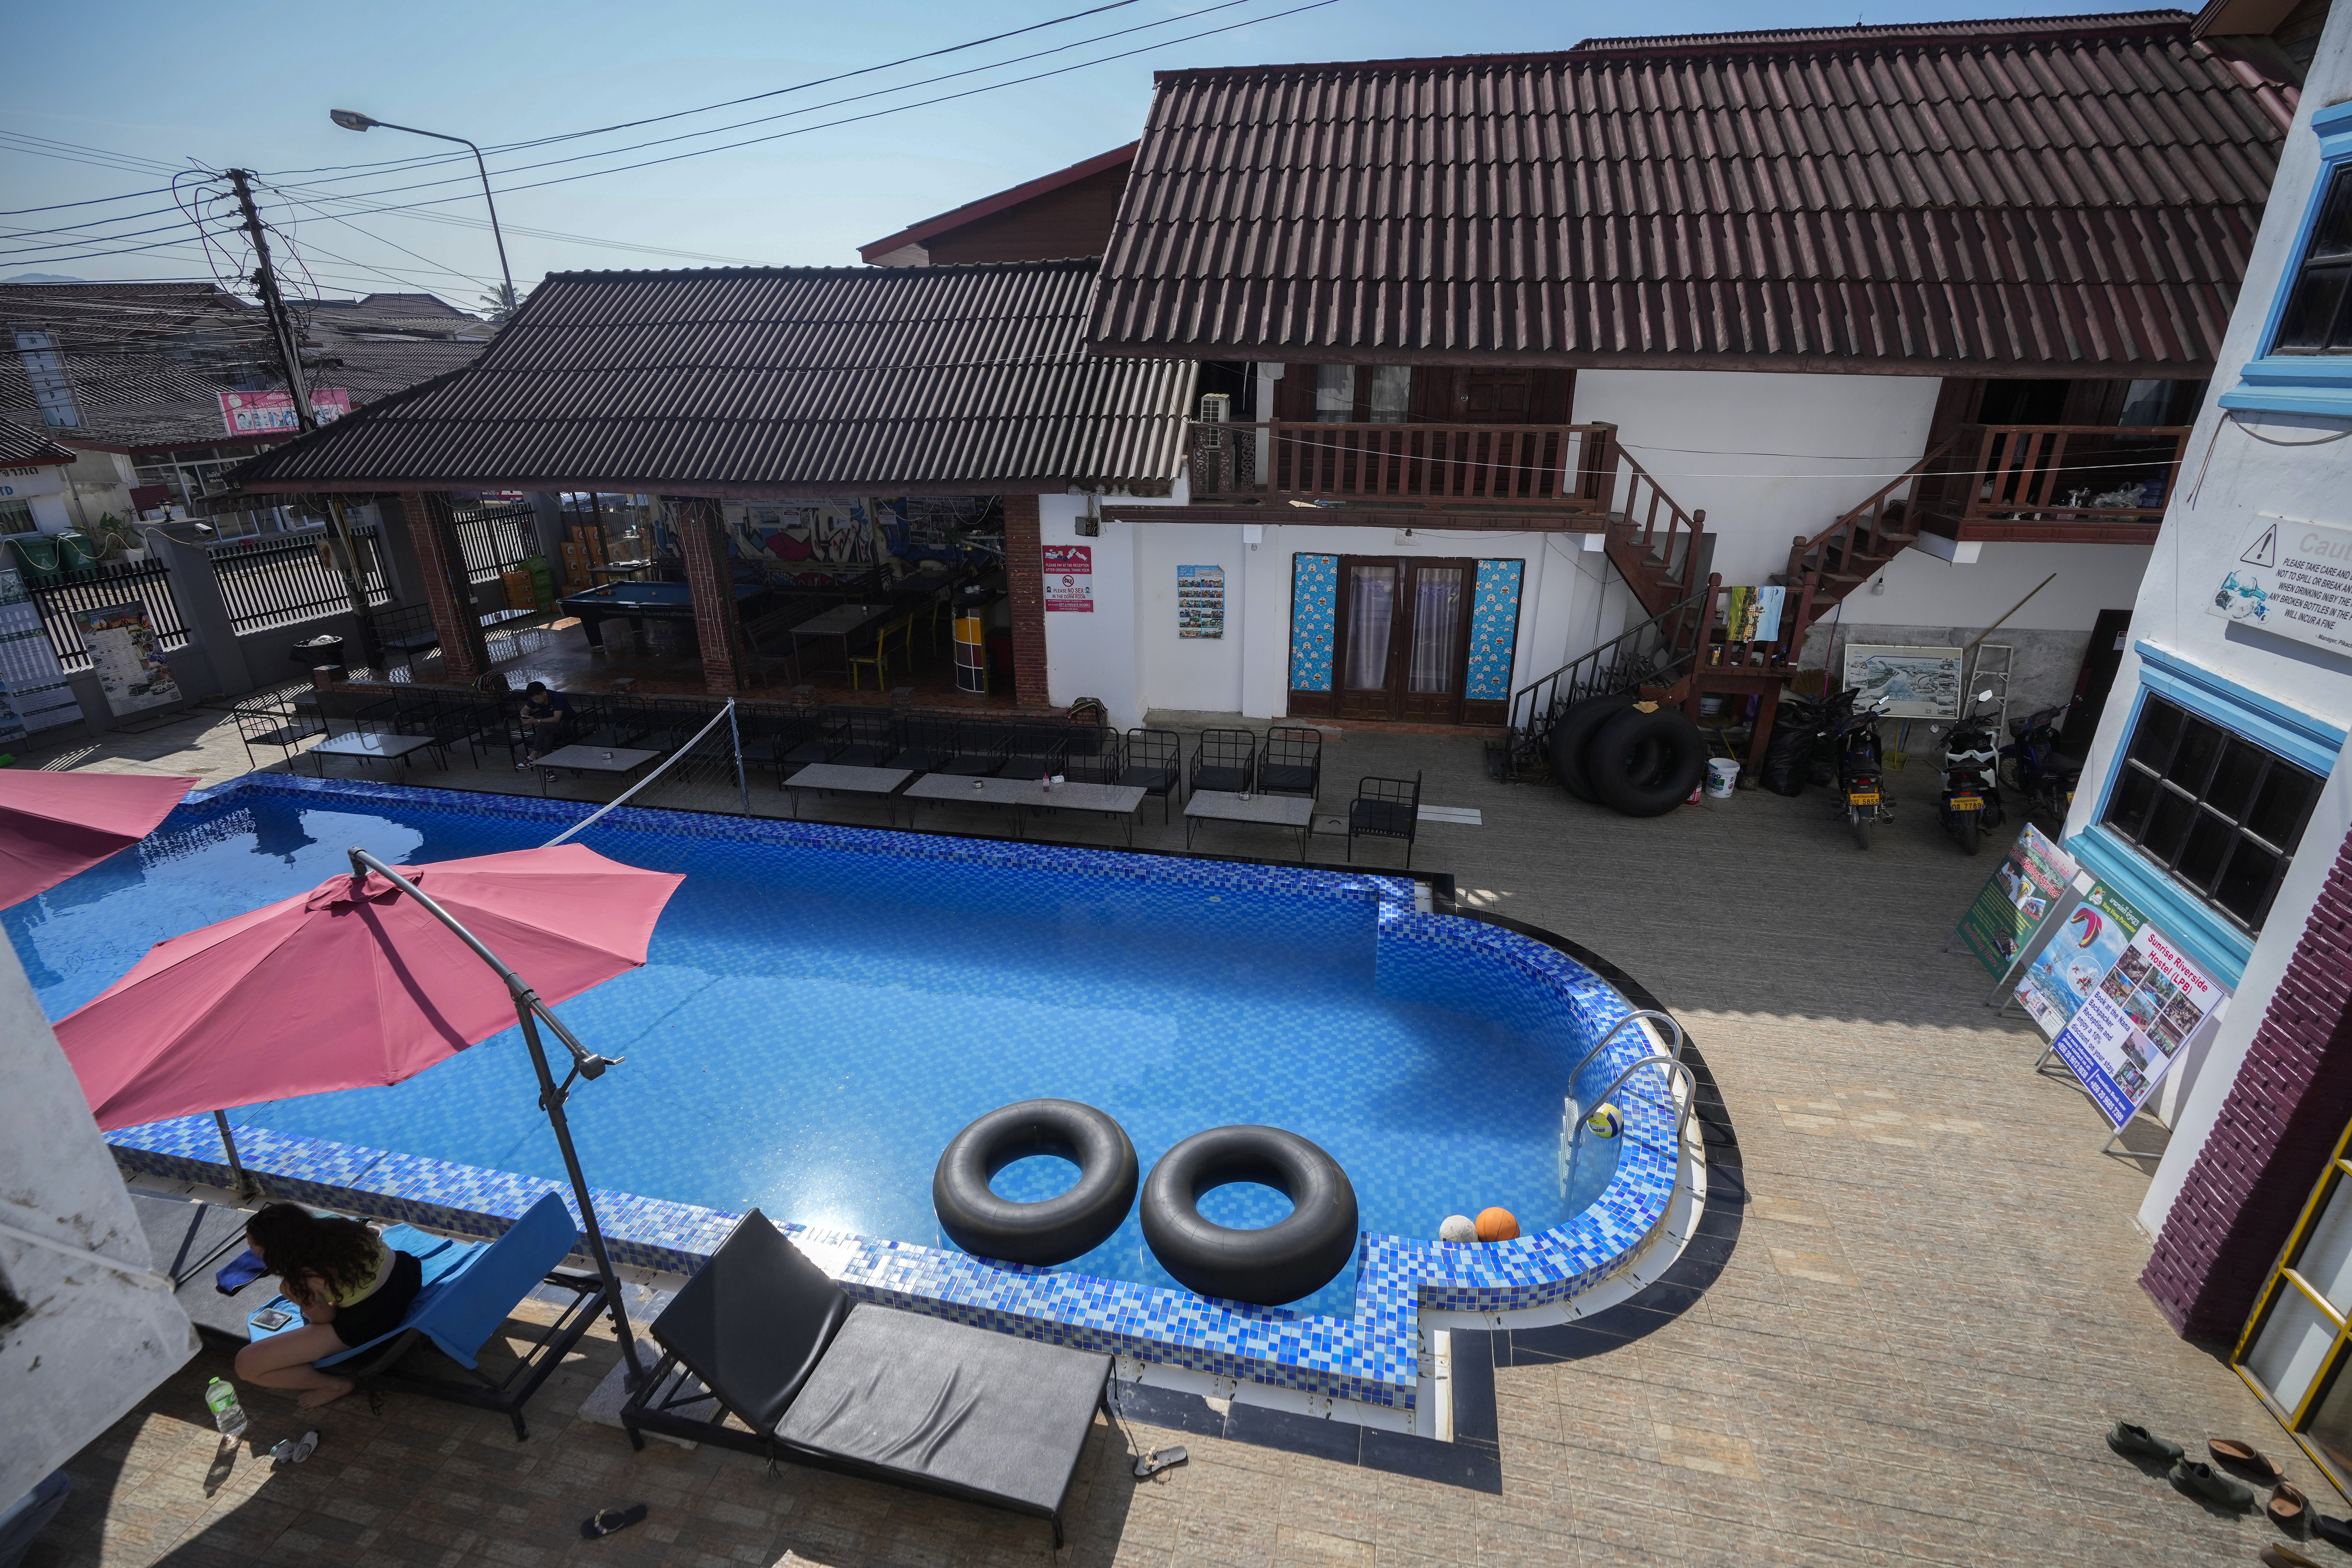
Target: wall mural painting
[1314, 607]
[1494, 631]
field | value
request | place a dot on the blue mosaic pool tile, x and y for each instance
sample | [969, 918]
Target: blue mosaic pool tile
[1534, 990]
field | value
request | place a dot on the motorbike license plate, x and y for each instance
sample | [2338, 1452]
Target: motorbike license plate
[1860, 799]
[1967, 803]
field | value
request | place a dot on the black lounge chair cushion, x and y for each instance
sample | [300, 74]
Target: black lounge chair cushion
[190, 1241]
[1216, 777]
[753, 1322]
[1156, 777]
[1276, 776]
[960, 1408]
[1391, 818]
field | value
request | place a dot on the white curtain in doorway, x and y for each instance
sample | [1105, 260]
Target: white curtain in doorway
[1371, 611]
[1436, 628]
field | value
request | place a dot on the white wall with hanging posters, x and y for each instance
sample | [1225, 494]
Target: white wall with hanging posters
[1131, 652]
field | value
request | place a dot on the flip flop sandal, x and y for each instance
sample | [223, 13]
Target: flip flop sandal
[2230, 1451]
[2288, 1505]
[609, 1519]
[2279, 1557]
[1157, 1460]
[294, 1451]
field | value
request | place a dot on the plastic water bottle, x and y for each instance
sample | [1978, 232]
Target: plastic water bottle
[228, 1414]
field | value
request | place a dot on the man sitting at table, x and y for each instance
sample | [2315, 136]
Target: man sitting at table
[546, 721]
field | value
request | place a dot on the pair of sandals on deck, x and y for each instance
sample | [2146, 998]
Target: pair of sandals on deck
[2289, 1508]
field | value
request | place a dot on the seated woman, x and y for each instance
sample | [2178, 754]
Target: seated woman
[351, 1288]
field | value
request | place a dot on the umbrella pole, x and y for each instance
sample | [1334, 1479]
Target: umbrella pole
[246, 1187]
[550, 1096]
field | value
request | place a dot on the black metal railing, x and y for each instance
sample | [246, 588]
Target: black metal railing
[496, 538]
[1656, 652]
[285, 582]
[62, 598]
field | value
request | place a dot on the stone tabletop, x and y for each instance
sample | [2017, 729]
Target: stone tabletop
[850, 781]
[597, 759]
[1276, 810]
[368, 745]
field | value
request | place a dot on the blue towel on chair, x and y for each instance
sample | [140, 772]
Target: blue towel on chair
[239, 1271]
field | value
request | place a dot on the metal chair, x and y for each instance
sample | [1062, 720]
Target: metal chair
[980, 749]
[1036, 751]
[275, 724]
[1154, 764]
[878, 659]
[1091, 753]
[1225, 760]
[923, 744]
[1385, 808]
[1292, 762]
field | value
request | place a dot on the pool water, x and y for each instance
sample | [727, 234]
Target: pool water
[815, 1024]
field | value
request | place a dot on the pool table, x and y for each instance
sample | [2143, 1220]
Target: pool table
[639, 602]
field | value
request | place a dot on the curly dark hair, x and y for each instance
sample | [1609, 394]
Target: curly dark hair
[295, 1242]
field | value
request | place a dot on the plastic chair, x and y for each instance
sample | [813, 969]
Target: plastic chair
[878, 660]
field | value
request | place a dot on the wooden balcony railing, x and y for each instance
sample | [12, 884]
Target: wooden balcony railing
[2051, 480]
[1567, 466]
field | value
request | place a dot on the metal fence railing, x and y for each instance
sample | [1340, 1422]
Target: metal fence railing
[101, 588]
[495, 537]
[285, 582]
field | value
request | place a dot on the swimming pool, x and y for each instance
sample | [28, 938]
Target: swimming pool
[824, 1009]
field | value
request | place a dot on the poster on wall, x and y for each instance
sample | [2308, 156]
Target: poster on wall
[2293, 578]
[2137, 1023]
[2067, 971]
[1914, 682]
[252, 413]
[1752, 615]
[2027, 888]
[1199, 601]
[123, 656]
[1069, 577]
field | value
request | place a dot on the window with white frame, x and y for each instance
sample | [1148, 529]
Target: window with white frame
[16, 517]
[2221, 816]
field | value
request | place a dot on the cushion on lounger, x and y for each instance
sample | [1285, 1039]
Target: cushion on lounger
[753, 1322]
[957, 1407]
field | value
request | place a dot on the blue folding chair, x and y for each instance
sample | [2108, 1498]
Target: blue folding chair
[470, 1288]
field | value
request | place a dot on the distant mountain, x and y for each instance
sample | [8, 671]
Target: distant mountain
[44, 278]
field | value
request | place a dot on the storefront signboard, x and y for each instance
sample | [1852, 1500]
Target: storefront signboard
[1070, 577]
[2291, 577]
[2138, 1022]
[256, 413]
[2027, 888]
[123, 656]
[1199, 601]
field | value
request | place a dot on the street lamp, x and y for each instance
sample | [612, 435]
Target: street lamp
[353, 120]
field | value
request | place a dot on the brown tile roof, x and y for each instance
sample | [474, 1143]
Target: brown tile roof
[932, 229]
[773, 381]
[2008, 197]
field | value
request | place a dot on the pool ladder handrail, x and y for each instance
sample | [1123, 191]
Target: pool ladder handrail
[1673, 1066]
[1617, 1028]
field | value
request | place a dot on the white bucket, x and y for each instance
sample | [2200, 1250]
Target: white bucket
[1722, 774]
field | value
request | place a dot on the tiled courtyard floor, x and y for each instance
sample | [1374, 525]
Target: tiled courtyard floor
[1928, 1321]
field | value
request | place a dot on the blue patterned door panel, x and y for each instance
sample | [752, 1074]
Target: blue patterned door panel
[1314, 604]
[1494, 631]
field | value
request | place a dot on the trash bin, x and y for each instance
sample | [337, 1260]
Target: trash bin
[321, 652]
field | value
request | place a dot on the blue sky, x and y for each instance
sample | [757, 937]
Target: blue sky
[154, 85]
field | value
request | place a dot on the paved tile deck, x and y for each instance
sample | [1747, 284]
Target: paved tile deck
[1928, 1322]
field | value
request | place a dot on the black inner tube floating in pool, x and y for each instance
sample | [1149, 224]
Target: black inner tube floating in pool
[1295, 1256]
[1054, 1231]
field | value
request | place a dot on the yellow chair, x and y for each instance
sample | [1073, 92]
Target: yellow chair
[879, 660]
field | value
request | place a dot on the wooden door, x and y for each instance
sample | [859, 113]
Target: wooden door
[2101, 660]
[1402, 642]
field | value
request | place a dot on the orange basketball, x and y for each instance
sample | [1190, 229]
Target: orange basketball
[1497, 1224]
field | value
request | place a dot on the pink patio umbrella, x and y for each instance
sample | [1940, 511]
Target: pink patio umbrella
[55, 824]
[370, 979]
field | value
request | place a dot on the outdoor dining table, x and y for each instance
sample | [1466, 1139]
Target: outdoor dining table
[840, 623]
[1265, 810]
[618, 761]
[832, 777]
[367, 744]
[1110, 800]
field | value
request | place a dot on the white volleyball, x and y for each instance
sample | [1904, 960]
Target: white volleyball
[1459, 1228]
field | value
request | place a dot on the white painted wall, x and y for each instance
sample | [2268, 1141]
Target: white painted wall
[1777, 455]
[97, 1339]
[2249, 465]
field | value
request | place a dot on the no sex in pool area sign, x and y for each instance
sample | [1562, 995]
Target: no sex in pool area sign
[2293, 578]
[1069, 577]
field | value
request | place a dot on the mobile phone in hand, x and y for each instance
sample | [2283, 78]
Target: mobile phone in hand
[271, 1320]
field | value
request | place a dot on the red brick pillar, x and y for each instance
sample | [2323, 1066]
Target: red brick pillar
[1024, 573]
[2284, 1113]
[433, 533]
[702, 535]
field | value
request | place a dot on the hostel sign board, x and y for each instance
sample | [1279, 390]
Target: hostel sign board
[123, 656]
[2130, 1030]
[2089, 942]
[2027, 888]
[1070, 577]
[2293, 578]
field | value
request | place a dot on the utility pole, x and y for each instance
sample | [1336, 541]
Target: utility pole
[290, 365]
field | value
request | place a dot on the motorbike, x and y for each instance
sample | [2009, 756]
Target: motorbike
[1971, 787]
[2032, 765]
[1861, 764]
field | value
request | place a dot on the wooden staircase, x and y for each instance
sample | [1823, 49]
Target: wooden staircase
[1854, 549]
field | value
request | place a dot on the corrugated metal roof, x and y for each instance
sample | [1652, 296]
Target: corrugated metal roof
[2016, 196]
[777, 379]
[22, 448]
